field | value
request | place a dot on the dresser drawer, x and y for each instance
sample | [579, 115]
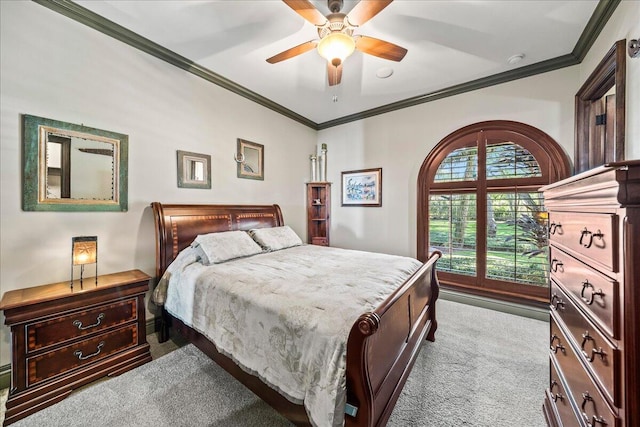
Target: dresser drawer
[560, 397]
[56, 362]
[592, 406]
[587, 234]
[597, 294]
[596, 351]
[77, 324]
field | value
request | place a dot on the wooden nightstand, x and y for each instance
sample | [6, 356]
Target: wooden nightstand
[64, 338]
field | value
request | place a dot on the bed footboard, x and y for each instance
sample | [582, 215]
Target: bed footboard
[384, 344]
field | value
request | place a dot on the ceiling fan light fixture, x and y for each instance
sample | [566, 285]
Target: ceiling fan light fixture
[336, 47]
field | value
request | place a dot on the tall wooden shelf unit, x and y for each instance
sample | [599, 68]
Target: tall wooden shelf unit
[318, 213]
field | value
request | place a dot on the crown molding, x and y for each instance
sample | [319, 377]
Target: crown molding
[85, 16]
[495, 79]
[598, 20]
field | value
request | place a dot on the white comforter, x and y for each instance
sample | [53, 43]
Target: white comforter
[285, 316]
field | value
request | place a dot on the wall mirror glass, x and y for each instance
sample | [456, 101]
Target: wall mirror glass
[69, 167]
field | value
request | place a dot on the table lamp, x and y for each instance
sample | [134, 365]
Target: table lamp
[84, 250]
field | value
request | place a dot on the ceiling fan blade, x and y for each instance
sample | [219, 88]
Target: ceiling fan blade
[294, 51]
[380, 48]
[334, 73]
[307, 10]
[366, 10]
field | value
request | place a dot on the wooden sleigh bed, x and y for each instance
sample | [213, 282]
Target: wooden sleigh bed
[382, 345]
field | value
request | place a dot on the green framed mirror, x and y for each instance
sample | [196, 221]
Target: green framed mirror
[69, 167]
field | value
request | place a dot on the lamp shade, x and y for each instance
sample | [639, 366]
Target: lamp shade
[336, 47]
[84, 250]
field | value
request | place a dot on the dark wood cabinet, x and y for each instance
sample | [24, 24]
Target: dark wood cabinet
[318, 213]
[594, 237]
[63, 338]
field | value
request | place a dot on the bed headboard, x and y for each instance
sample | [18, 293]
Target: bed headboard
[178, 225]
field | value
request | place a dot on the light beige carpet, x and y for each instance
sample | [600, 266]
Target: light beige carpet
[485, 368]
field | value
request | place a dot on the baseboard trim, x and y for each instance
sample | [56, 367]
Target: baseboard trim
[153, 325]
[5, 376]
[497, 305]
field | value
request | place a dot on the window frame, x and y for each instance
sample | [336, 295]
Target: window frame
[554, 166]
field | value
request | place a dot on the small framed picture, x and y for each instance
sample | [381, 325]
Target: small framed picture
[194, 170]
[362, 187]
[250, 159]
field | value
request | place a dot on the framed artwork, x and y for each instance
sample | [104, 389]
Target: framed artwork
[194, 170]
[362, 187]
[250, 159]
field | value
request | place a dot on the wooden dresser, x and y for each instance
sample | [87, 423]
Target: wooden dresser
[594, 236]
[63, 338]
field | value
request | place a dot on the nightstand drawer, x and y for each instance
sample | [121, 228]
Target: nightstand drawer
[69, 326]
[56, 362]
[596, 293]
[587, 234]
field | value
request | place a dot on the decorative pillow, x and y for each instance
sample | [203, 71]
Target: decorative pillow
[275, 238]
[214, 248]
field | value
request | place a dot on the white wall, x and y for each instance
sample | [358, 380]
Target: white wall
[57, 68]
[623, 24]
[399, 141]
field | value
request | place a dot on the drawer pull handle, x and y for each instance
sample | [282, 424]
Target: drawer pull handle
[555, 264]
[557, 347]
[595, 419]
[553, 227]
[586, 285]
[591, 235]
[79, 355]
[555, 305]
[556, 396]
[586, 397]
[78, 323]
[586, 337]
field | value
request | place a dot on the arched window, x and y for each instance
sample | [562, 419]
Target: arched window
[479, 204]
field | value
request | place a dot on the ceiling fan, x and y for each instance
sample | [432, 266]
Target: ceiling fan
[335, 30]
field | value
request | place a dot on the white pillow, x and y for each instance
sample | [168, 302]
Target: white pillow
[214, 248]
[275, 238]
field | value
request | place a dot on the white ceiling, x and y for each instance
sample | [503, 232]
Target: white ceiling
[448, 42]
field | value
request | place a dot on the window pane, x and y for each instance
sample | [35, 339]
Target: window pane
[459, 165]
[517, 238]
[509, 160]
[452, 230]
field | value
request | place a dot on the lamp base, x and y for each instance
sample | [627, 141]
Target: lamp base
[81, 276]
